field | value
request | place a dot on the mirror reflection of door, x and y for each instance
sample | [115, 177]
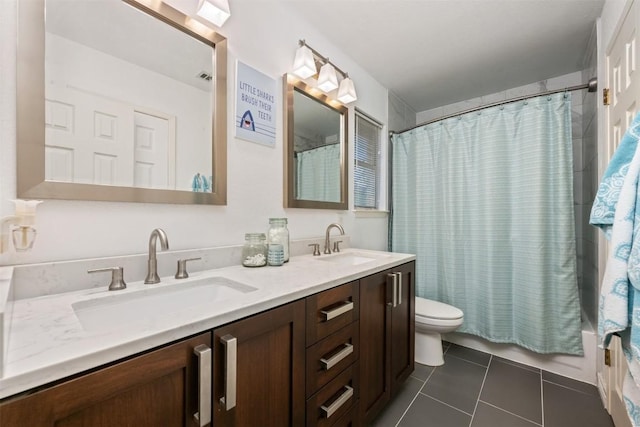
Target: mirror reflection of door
[154, 154]
[86, 138]
[131, 107]
[317, 133]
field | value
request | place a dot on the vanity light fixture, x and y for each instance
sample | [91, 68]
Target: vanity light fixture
[347, 91]
[327, 79]
[215, 11]
[305, 66]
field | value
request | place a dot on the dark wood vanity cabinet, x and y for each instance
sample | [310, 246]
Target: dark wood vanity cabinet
[387, 327]
[332, 359]
[159, 388]
[259, 369]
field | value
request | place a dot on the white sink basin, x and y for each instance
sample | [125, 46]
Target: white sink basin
[350, 258]
[154, 303]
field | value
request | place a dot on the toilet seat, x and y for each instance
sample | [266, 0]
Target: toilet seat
[428, 310]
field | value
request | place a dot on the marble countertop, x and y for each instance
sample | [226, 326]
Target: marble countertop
[47, 342]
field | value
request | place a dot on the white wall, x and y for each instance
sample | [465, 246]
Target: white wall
[264, 35]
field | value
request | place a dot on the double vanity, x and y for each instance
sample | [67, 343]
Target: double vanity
[321, 341]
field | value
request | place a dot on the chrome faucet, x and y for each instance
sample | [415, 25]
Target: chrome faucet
[152, 263]
[327, 248]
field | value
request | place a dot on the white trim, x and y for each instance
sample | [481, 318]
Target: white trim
[370, 213]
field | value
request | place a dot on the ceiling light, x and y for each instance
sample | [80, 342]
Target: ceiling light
[327, 80]
[304, 65]
[214, 11]
[347, 91]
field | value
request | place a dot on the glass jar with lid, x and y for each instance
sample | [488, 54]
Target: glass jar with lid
[279, 233]
[254, 251]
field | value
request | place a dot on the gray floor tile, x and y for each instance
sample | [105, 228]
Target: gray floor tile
[422, 372]
[564, 407]
[427, 412]
[520, 365]
[571, 383]
[513, 389]
[456, 383]
[469, 354]
[394, 409]
[489, 416]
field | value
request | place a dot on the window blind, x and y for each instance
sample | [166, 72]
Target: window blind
[366, 175]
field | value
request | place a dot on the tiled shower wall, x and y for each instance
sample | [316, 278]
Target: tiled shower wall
[401, 116]
[585, 188]
[585, 165]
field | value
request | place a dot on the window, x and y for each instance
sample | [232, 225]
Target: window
[366, 175]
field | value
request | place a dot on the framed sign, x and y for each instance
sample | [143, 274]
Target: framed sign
[255, 119]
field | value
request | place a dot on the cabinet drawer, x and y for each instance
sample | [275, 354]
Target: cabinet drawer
[351, 418]
[327, 358]
[333, 401]
[331, 310]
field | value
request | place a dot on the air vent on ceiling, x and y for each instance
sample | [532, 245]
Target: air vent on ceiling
[205, 76]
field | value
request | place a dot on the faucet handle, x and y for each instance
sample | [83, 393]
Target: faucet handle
[181, 273]
[316, 248]
[336, 245]
[117, 279]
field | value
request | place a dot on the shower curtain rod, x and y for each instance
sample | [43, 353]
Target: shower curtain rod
[592, 85]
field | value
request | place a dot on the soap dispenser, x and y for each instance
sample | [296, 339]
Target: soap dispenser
[21, 226]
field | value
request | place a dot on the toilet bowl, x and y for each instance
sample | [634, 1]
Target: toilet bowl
[432, 319]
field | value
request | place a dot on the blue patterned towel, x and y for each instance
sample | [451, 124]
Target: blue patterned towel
[616, 210]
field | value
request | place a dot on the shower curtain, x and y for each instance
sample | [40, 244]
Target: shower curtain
[485, 201]
[318, 174]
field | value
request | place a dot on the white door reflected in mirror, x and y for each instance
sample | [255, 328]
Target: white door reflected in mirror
[127, 108]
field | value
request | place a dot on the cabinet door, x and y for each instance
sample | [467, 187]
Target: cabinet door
[375, 336]
[158, 388]
[403, 327]
[259, 369]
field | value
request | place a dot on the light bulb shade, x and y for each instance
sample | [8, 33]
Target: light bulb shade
[327, 80]
[347, 91]
[214, 11]
[304, 65]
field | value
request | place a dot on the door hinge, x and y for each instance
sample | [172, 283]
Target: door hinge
[607, 357]
[605, 96]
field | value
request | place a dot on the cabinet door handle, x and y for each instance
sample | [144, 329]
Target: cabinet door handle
[337, 404]
[230, 344]
[399, 300]
[203, 416]
[336, 358]
[394, 290]
[332, 314]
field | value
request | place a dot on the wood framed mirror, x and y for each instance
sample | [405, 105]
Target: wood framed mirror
[88, 124]
[315, 130]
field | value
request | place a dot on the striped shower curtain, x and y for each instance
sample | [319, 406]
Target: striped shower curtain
[485, 201]
[318, 174]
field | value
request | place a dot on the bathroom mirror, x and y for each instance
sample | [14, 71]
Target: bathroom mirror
[315, 148]
[119, 100]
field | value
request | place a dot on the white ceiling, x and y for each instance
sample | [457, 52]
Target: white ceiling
[436, 52]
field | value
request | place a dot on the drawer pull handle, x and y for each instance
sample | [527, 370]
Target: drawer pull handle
[332, 314]
[230, 344]
[337, 404]
[399, 288]
[203, 416]
[336, 358]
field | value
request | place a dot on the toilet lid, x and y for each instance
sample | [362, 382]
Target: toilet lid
[436, 309]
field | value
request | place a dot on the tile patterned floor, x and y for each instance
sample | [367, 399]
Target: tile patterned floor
[476, 389]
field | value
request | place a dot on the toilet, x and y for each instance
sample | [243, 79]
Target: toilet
[432, 319]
